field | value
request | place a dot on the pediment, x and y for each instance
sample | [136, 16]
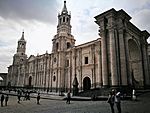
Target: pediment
[31, 58]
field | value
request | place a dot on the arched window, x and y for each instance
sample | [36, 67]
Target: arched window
[22, 45]
[68, 45]
[86, 60]
[57, 45]
[54, 78]
[55, 60]
[67, 63]
[63, 19]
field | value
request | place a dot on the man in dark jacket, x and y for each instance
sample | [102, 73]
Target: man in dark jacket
[68, 98]
[2, 100]
[38, 98]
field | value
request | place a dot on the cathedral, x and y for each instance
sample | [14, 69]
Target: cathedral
[118, 58]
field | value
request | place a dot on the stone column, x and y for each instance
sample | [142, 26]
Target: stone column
[99, 78]
[24, 73]
[113, 63]
[104, 58]
[145, 65]
[18, 76]
[123, 67]
[71, 70]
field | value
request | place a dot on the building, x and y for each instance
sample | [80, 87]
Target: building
[149, 51]
[118, 58]
[3, 78]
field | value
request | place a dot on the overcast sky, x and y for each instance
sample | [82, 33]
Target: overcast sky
[38, 19]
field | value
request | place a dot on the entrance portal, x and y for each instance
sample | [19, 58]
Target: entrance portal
[86, 84]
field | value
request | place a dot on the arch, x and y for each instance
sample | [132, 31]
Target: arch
[68, 45]
[134, 50]
[30, 81]
[135, 64]
[63, 19]
[86, 84]
[54, 78]
[57, 46]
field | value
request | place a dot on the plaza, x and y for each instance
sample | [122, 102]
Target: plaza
[58, 105]
[117, 58]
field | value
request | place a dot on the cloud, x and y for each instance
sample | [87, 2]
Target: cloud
[38, 18]
[40, 10]
[141, 19]
[131, 5]
[6, 57]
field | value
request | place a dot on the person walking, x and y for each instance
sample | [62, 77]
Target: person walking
[68, 97]
[19, 96]
[118, 102]
[6, 100]
[38, 98]
[2, 100]
[111, 101]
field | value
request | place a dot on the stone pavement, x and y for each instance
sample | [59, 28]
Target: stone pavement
[60, 106]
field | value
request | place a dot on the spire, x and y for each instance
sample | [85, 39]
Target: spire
[22, 38]
[64, 10]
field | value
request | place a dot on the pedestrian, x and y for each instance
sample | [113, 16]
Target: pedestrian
[118, 102]
[6, 100]
[111, 100]
[2, 100]
[19, 96]
[38, 98]
[93, 97]
[68, 97]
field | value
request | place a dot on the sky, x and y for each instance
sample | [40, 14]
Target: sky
[38, 20]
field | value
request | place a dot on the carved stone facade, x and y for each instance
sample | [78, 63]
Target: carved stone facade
[124, 50]
[149, 51]
[118, 58]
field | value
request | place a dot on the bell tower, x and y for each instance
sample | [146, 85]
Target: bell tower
[63, 40]
[21, 45]
[20, 56]
[64, 21]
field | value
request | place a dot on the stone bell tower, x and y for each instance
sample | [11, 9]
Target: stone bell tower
[20, 56]
[19, 60]
[63, 40]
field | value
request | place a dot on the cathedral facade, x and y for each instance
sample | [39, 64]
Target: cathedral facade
[118, 58]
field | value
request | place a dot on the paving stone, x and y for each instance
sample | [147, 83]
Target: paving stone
[142, 105]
